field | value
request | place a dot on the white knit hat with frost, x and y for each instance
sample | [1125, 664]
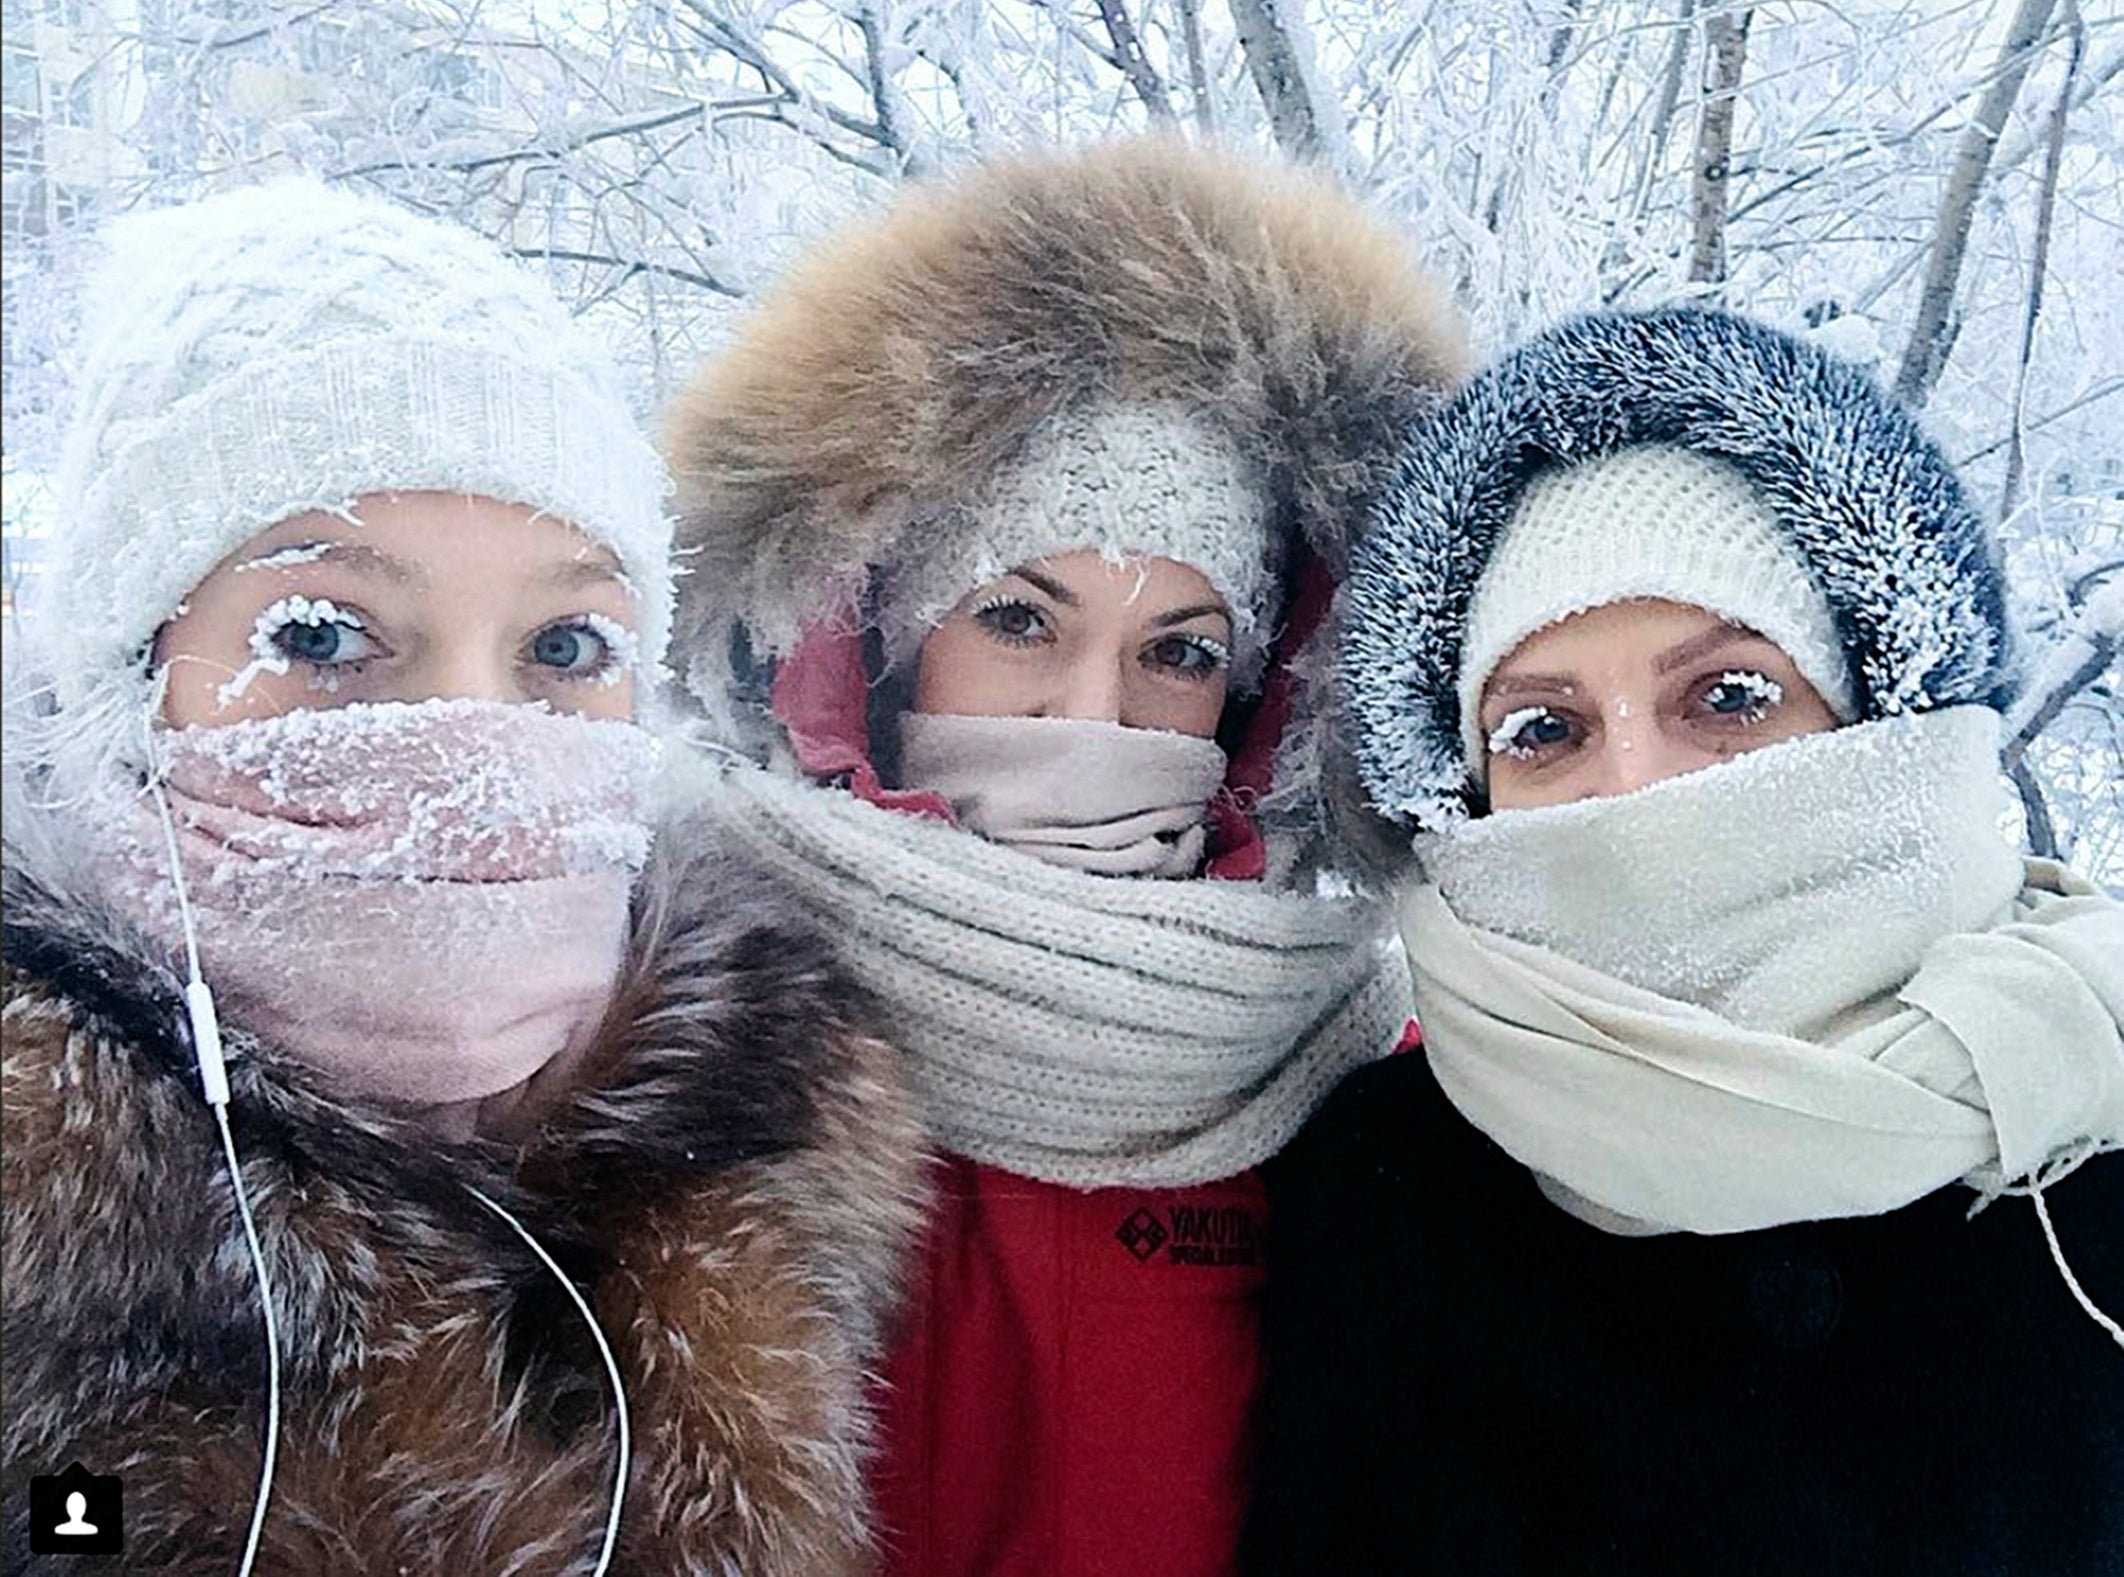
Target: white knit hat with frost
[289, 347]
[1651, 521]
[1125, 479]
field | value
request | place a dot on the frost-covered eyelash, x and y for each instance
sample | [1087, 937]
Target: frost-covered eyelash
[1219, 654]
[1504, 738]
[623, 651]
[266, 655]
[997, 604]
[1763, 692]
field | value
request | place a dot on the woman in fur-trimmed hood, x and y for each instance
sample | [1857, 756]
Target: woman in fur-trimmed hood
[334, 903]
[1679, 653]
[1015, 513]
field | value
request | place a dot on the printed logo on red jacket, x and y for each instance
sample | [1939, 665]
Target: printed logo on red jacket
[1192, 1234]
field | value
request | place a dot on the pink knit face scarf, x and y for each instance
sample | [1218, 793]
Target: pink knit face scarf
[426, 901]
[1084, 794]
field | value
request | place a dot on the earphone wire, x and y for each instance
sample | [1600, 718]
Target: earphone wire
[612, 1373]
[213, 1077]
[213, 1074]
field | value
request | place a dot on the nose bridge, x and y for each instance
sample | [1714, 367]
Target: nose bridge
[466, 669]
[1092, 686]
[1635, 750]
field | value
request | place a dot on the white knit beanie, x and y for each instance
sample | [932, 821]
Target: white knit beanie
[289, 347]
[1129, 479]
[1651, 521]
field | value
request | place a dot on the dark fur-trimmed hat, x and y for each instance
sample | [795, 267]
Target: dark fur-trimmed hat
[1874, 511]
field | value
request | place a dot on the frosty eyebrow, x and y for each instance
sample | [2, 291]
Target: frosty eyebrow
[355, 555]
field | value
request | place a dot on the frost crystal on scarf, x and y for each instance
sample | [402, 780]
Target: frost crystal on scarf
[426, 900]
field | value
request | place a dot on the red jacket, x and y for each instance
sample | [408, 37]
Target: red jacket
[1075, 1391]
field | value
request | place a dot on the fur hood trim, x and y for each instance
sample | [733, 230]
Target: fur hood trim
[733, 1176]
[1874, 511]
[902, 362]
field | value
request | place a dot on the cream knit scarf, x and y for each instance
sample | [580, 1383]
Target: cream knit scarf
[1808, 982]
[1081, 1029]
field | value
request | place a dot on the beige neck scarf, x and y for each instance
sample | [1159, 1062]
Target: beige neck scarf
[1809, 982]
[1080, 1030]
[1086, 795]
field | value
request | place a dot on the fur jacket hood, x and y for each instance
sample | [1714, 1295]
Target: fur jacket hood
[731, 1182]
[901, 364]
[1874, 511]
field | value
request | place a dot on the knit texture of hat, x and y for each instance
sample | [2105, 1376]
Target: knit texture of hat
[1126, 479]
[1654, 521]
[286, 348]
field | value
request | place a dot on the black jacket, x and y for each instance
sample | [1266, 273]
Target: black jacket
[1464, 1379]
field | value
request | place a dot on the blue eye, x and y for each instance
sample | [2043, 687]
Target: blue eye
[570, 648]
[1742, 695]
[1530, 731]
[316, 632]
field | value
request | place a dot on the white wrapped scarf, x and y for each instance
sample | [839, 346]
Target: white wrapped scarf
[1809, 982]
[1082, 1029]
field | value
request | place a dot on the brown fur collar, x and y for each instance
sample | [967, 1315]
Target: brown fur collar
[900, 363]
[737, 1182]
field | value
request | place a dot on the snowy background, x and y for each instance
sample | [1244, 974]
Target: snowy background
[1935, 189]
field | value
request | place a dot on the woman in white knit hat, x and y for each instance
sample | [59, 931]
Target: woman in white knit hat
[1011, 515]
[333, 811]
[1681, 1246]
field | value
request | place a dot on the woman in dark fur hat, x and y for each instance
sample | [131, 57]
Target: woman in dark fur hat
[1021, 504]
[363, 560]
[1680, 1246]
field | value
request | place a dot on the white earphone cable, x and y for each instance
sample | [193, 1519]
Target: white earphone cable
[214, 1080]
[612, 1373]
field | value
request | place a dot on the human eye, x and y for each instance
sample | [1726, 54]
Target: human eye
[1740, 696]
[1189, 656]
[588, 646]
[315, 631]
[1529, 732]
[1013, 621]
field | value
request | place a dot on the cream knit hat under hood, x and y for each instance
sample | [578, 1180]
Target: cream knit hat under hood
[1128, 479]
[288, 347]
[1655, 520]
